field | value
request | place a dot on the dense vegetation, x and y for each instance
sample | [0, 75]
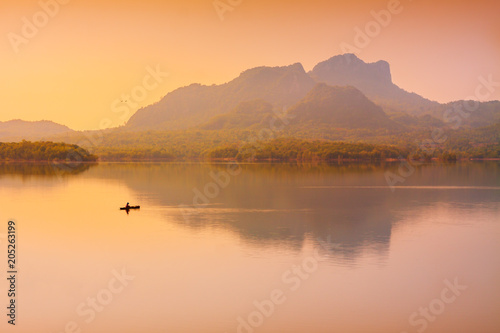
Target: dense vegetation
[292, 145]
[320, 143]
[44, 151]
[286, 149]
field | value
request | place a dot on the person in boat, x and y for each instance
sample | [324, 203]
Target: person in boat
[127, 206]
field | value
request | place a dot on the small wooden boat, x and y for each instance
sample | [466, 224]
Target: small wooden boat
[130, 207]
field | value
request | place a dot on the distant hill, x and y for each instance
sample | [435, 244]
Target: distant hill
[341, 99]
[17, 130]
[374, 80]
[251, 114]
[323, 106]
[196, 104]
[213, 107]
[342, 107]
[44, 151]
[486, 114]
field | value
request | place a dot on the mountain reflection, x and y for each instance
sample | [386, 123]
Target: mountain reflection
[286, 204]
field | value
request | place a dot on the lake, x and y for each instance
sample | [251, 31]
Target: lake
[253, 248]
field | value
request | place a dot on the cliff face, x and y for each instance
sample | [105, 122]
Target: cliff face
[193, 105]
[200, 106]
[348, 69]
[374, 80]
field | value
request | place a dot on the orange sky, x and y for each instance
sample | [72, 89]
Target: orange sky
[91, 52]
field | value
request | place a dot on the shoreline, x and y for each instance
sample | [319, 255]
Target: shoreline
[228, 160]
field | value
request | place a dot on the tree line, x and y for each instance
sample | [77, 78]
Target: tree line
[312, 144]
[44, 151]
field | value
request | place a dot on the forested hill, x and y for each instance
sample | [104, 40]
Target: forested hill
[193, 105]
[338, 107]
[284, 87]
[44, 151]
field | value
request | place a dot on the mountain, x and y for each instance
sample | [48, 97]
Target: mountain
[213, 107]
[374, 80]
[250, 114]
[342, 98]
[17, 130]
[460, 113]
[340, 107]
[323, 106]
[196, 104]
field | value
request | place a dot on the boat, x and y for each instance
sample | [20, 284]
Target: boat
[130, 207]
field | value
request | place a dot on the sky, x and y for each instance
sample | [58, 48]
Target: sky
[90, 64]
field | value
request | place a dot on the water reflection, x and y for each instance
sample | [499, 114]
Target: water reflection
[285, 204]
[387, 253]
[48, 169]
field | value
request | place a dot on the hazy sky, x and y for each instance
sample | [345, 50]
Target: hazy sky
[79, 61]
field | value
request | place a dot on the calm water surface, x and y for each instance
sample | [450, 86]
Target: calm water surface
[209, 251]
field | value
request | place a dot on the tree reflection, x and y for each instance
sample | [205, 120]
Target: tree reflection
[44, 169]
